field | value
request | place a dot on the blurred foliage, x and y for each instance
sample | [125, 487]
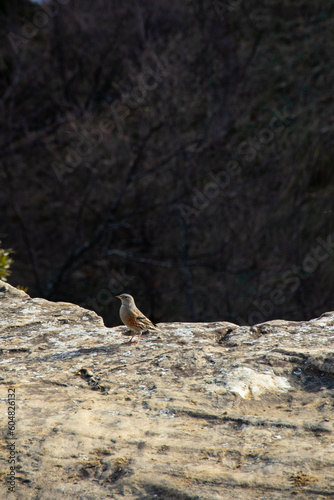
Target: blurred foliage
[118, 119]
[5, 263]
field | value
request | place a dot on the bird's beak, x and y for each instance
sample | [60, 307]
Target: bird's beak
[118, 297]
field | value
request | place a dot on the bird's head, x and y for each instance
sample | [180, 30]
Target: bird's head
[127, 299]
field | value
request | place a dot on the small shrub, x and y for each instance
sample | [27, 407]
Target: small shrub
[5, 262]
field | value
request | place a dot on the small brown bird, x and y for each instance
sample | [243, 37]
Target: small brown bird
[133, 318]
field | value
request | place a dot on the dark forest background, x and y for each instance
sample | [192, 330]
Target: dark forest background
[178, 151]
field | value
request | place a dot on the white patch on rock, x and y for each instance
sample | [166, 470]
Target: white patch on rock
[250, 384]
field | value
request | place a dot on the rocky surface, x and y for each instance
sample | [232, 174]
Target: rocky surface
[200, 411]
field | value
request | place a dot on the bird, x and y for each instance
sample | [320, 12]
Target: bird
[133, 318]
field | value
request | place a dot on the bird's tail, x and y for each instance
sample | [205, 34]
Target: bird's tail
[154, 327]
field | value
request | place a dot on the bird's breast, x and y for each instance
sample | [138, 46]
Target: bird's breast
[123, 314]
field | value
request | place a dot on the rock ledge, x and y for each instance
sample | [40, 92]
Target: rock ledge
[202, 411]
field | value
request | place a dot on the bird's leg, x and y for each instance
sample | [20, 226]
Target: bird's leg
[129, 341]
[139, 338]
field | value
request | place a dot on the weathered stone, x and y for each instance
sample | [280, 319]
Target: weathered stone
[204, 411]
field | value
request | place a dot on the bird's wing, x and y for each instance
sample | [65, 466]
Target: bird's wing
[146, 322]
